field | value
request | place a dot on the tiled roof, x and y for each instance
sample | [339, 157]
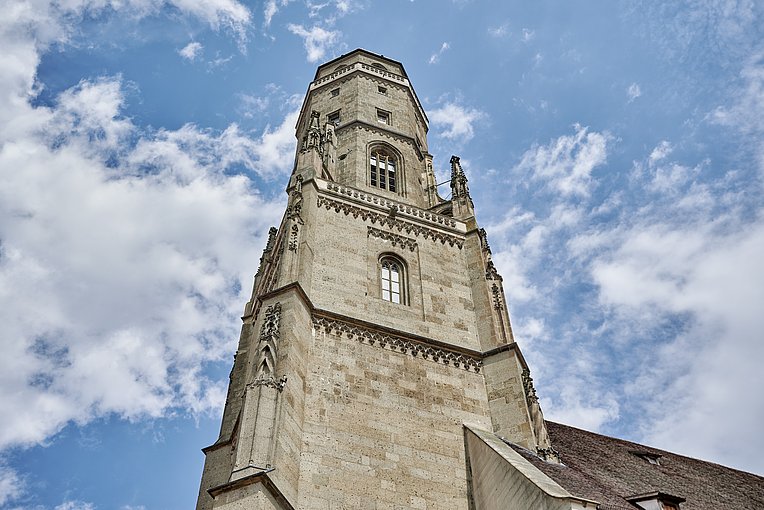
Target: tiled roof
[608, 470]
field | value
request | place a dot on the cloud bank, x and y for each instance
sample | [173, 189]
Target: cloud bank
[125, 254]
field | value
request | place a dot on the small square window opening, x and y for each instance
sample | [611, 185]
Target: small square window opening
[334, 118]
[335, 92]
[382, 90]
[383, 117]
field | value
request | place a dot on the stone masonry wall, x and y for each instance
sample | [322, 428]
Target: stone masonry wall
[344, 277]
[383, 429]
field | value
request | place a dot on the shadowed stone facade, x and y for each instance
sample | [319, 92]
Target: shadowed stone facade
[352, 381]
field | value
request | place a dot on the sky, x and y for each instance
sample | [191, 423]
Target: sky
[615, 152]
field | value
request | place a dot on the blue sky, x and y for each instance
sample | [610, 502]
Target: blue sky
[615, 156]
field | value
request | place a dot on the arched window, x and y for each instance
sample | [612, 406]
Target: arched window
[383, 170]
[392, 280]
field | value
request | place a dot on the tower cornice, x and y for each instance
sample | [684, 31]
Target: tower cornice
[370, 71]
[394, 209]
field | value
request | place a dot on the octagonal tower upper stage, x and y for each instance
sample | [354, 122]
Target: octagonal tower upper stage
[374, 126]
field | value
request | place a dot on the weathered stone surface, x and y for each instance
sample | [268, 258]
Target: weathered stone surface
[350, 400]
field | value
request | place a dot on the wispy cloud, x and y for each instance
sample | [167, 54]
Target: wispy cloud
[457, 121]
[75, 505]
[317, 40]
[191, 51]
[746, 105]
[633, 92]
[11, 485]
[499, 31]
[677, 280]
[566, 163]
[661, 151]
[270, 9]
[435, 57]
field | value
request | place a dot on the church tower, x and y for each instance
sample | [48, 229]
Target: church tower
[377, 327]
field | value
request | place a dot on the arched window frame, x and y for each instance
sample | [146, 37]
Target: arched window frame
[383, 162]
[393, 279]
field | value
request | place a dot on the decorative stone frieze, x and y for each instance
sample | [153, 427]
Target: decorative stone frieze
[387, 204]
[270, 328]
[395, 239]
[270, 382]
[497, 303]
[382, 72]
[490, 271]
[268, 343]
[265, 258]
[530, 391]
[483, 236]
[293, 238]
[490, 268]
[387, 221]
[294, 209]
[397, 343]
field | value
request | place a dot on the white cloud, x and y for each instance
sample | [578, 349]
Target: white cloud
[435, 57]
[75, 505]
[747, 106]
[316, 40]
[566, 164]
[710, 371]
[633, 92]
[218, 13]
[531, 329]
[275, 148]
[191, 51]
[661, 287]
[101, 248]
[11, 485]
[457, 120]
[499, 31]
[271, 8]
[251, 105]
[660, 152]
[125, 255]
[528, 34]
[582, 402]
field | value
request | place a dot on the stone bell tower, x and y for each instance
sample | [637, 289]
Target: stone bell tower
[377, 325]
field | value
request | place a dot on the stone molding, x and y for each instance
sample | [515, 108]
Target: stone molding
[270, 382]
[384, 130]
[363, 68]
[397, 343]
[389, 221]
[271, 322]
[260, 477]
[400, 208]
[395, 239]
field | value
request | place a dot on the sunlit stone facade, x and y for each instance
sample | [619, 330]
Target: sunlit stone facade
[377, 326]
